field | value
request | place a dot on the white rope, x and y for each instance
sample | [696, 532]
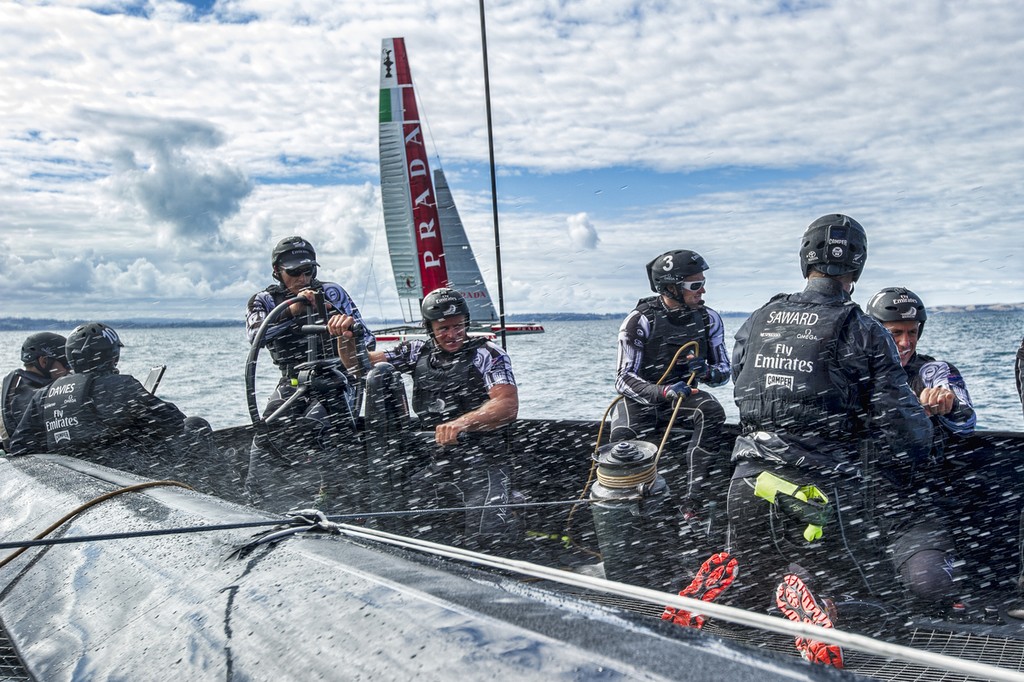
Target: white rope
[728, 613]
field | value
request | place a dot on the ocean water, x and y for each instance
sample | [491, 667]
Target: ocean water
[566, 373]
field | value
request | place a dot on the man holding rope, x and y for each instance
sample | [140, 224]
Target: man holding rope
[666, 346]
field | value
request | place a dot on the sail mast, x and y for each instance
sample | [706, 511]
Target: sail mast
[494, 184]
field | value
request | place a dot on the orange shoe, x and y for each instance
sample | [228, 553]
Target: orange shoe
[715, 574]
[797, 602]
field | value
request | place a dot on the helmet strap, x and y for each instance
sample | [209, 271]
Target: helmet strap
[45, 364]
[672, 292]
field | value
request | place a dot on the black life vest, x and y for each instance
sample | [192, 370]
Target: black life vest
[447, 385]
[291, 347]
[15, 395]
[69, 415]
[669, 332]
[791, 379]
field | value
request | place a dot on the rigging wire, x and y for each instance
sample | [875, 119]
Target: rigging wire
[21, 547]
[731, 614]
[294, 516]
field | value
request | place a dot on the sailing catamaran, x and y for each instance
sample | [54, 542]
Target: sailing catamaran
[426, 239]
[101, 584]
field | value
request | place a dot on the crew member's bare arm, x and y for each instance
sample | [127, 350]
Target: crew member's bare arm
[501, 408]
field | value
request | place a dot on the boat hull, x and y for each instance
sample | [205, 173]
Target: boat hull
[323, 606]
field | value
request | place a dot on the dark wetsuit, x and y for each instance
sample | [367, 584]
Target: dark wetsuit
[15, 395]
[649, 338]
[106, 418]
[300, 466]
[474, 473]
[1019, 372]
[816, 372]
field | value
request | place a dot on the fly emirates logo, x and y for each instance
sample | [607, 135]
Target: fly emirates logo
[781, 357]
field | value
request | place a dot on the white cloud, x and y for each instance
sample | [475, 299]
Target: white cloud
[582, 234]
[169, 152]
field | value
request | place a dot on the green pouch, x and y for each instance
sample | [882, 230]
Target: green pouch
[806, 504]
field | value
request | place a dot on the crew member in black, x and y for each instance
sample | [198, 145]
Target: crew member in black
[296, 463]
[650, 340]
[831, 432]
[461, 385]
[43, 356]
[939, 385]
[109, 418]
[1019, 372]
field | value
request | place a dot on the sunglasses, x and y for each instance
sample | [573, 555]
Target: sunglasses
[302, 270]
[692, 286]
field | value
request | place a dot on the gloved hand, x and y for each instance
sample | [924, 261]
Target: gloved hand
[673, 391]
[715, 376]
[699, 366]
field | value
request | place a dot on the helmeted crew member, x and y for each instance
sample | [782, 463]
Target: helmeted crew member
[939, 385]
[43, 356]
[461, 385]
[103, 416]
[304, 435]
[831, 432]
[649, 338]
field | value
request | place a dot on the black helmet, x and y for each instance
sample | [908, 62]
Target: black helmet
[93, 347]
[898, 304]
[672, 267]
[443, 302]
[293, 252]
[834, 244]
[43, 345]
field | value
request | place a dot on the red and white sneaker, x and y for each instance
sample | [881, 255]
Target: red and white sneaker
[797, 602]
[715, 574]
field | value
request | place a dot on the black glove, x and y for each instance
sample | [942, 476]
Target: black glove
[715, 376]
[699, 367]
[673, 391]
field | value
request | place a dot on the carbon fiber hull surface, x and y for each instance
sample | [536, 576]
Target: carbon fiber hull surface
[313, 607]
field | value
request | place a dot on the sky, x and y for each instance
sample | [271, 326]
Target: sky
[154, 152]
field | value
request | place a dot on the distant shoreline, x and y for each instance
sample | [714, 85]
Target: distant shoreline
[13, 324]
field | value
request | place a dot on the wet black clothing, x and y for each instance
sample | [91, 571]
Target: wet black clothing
[476, 472]
[815, 371]
[106, 418]
[301, 458]
[649, 338]
[287, 345]
[15, 395]
[855, 363]
[1019, 372]
[307, 459]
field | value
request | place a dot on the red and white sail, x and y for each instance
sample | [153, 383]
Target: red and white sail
[426, 240]
[407, 193]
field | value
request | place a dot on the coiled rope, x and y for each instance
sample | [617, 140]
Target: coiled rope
[639, 478]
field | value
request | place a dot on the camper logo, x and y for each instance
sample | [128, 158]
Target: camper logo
[783, 380]
[61, 436]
